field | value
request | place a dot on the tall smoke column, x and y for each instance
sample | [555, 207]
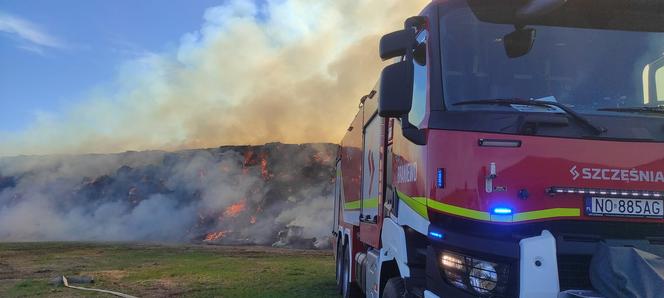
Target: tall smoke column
[290, 71]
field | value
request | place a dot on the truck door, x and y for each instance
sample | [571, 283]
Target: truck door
[370, 169]
[372, 176]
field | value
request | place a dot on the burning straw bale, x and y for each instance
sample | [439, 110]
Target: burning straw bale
[227, 195]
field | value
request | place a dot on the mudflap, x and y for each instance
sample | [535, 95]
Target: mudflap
[620, 271]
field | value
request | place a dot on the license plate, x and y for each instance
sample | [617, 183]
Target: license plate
[598, 206]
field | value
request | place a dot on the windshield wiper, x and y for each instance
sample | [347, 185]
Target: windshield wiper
[645, 110]
[537, 103]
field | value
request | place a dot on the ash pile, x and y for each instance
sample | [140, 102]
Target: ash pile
[276, 194]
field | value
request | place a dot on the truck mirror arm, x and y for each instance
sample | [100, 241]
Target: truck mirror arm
[412, 133]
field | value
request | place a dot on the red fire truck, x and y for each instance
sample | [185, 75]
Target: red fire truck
[506, 142]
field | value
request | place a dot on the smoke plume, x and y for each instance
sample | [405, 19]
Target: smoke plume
[262, 195]
[290, 71]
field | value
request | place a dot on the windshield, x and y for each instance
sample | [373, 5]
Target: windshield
[585, 69]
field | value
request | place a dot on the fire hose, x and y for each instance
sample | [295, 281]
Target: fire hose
[66, 284]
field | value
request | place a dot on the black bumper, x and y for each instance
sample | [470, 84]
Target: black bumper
[576, 243]
[505, 252]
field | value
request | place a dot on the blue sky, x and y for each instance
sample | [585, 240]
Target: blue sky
[102, 76]
[70, 47]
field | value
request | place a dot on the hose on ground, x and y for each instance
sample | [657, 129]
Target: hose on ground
[66, 283]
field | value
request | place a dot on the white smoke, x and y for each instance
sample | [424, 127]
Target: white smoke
[164, 197]
[287, 70]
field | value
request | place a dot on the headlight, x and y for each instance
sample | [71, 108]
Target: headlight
[454, 267]
[477, 276]
[483, 277]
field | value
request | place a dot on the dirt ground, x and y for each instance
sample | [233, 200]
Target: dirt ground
[152, 270]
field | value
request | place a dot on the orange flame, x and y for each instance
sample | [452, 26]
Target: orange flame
[235, 209]
[216, 235]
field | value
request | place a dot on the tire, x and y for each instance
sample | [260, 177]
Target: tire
[339, 256]
[349, 289]
[394, 288]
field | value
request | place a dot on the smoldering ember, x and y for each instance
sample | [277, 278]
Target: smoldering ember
[276, 194]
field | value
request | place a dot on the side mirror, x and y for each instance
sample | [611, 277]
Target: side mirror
[396, 90]
[519, 42]
[652, 73]
[396, 44]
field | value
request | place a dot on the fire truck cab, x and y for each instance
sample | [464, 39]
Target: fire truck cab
[508, 143]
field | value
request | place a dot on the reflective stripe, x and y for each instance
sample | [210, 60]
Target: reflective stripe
[469, 213]
[419, 204]
[352, 205]
[547, 213]
[369, 203]
[517, 217]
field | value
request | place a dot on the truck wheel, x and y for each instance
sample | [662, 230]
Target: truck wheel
[340, 266]
[394, 288]
[349, 289]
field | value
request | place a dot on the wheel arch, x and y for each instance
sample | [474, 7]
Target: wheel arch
[388, 270]
[394, 246]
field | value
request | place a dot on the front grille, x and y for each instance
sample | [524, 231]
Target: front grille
[574, 272]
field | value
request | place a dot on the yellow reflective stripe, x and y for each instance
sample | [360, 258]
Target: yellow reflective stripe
[368, 203]
[418, 204]
[420, 200]
[469, 213]
[352, 205]
[517, 217]
[547, 213]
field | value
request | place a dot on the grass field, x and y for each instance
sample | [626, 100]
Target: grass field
[166, 270]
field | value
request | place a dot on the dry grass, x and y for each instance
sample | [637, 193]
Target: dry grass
[147, 270]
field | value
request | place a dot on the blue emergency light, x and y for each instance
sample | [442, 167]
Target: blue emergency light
[440, 178]
[436, 235]
[502, 211]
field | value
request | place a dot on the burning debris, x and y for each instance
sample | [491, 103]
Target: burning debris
[215, 236]
[274, 194]
[235, 209]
